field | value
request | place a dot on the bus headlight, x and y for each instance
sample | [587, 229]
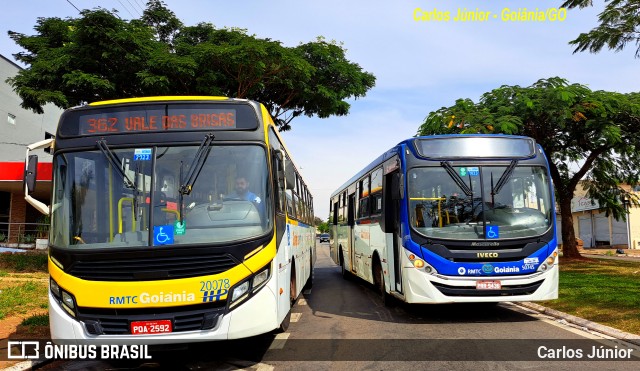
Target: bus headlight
[249, 287]
[239, 291]
[259, 279]
[55, 289]
[68, 303]
[549, 262]
[67, 300]
[552, 258]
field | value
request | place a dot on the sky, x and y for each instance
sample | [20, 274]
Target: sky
[420, 65]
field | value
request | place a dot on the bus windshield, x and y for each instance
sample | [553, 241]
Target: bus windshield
[469, 203]
[149, 201]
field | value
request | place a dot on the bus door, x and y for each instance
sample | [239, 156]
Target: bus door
[391, 216]
[351, 214]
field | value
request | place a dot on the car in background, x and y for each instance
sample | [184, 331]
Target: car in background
[324, 237]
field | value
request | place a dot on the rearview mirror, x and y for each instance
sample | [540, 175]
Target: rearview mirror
[290, 174]
[31, 173]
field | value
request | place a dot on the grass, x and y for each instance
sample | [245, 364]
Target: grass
[602, 291]
[22, 297]
[38, 320]
[23, 262]
[23, 283]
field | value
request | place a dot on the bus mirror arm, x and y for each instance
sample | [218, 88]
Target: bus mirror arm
[30, 175]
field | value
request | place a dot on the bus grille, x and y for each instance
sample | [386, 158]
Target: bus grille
[151, 269]
[117, 321]
[510, 290]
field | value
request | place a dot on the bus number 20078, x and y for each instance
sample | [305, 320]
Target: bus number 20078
[214, 285]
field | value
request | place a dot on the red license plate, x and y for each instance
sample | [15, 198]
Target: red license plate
[488, 285]
[151, 327]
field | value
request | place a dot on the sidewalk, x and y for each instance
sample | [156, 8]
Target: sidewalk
[611, 253]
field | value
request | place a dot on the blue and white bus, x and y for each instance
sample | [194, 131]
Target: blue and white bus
[442, 219]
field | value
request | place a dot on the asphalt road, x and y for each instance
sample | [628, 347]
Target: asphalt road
[342, 325]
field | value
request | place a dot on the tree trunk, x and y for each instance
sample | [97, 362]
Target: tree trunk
[569, 245]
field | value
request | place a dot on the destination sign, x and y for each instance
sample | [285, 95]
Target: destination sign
[157, 118]
[460, 147]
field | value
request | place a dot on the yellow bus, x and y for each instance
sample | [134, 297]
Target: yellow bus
[173, 219]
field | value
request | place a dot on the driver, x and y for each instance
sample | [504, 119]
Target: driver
[242, 192]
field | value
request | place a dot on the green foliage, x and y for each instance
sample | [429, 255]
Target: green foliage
[619, 26]
[595, 130]
[38, 320]
[26, 238]
[323, 227]
[98, 56]
[24, 262]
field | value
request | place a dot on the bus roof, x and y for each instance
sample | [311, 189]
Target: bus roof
[410, 143]
[157, 99]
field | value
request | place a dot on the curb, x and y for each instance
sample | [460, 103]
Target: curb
[596, 327]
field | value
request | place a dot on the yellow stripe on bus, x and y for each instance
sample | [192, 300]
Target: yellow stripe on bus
[156, 99]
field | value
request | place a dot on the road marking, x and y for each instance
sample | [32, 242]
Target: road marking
[240, 364]
[302, 301]
[263, 367]
[279, 341]
[295, 317]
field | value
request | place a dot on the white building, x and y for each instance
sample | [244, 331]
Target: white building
[18, 128]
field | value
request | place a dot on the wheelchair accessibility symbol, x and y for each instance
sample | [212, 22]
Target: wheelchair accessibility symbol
[493, 232]
[163, 235]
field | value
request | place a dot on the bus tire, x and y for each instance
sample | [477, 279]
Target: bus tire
[284, 325]
[343, 269]
[292, 284]
[309, 283]
[378, 279]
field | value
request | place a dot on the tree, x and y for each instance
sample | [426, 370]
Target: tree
[587, 135]
[98, 56]
[619, 25]
[321, 226]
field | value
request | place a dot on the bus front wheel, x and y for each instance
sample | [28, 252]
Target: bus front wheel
[378, 277]
[343, 269]
[284, 325]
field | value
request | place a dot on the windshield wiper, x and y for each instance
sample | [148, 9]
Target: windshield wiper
[456, 178]
[115, 162]
[503, 178]
[194, 170]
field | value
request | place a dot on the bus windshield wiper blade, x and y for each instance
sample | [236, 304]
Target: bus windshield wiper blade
[115, 162]
[456, 178]
[504, 177]
[197, 164]
[194, 170]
